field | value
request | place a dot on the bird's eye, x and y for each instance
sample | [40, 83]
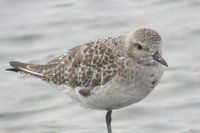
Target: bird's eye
[139, 47]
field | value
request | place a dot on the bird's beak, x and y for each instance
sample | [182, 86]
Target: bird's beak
[160, 59]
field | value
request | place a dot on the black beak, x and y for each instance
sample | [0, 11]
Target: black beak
[160, 59]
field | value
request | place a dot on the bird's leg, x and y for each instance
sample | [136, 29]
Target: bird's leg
[108, 120]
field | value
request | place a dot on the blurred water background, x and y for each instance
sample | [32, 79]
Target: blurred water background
[37, 30]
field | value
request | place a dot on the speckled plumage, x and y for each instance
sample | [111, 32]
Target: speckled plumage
[96, 60]
[108, 73]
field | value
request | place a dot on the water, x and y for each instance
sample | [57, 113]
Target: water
[36, 31]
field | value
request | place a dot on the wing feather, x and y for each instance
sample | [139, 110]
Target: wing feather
[88, 65]
[24, 67]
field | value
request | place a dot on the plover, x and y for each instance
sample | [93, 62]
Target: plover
[107, 73]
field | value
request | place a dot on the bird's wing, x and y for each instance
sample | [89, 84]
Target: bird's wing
[31, 69]
[88, 65]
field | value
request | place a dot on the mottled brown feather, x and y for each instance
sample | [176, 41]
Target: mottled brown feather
[96, 60]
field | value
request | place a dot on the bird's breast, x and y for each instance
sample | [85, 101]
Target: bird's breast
[127, 87]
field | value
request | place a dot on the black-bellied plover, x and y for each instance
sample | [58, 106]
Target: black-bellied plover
[108, 73]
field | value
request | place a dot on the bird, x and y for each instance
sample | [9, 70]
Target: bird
[106, 73]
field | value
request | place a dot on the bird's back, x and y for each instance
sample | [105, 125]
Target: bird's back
[88, 65]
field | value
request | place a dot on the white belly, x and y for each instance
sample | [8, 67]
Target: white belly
[115, 94]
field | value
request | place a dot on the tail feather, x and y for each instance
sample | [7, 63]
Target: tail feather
[12, 69]
[25, 68]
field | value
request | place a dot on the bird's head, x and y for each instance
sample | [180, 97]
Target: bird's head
[144, 45]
